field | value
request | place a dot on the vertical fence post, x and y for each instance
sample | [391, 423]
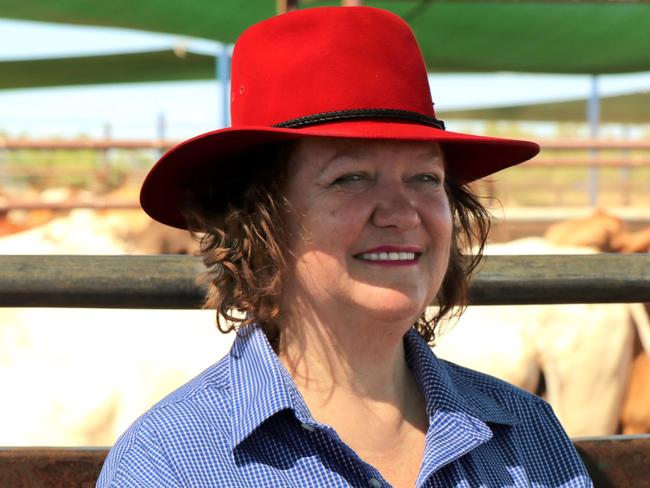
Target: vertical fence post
[593, 114]
[284, 6]
[161, 131]
[625, 173]
[223, 75]
[4, 167]
[104, 172]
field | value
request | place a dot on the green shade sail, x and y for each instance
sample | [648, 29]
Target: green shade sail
[631, 108]
[117, 68]
[535, 37]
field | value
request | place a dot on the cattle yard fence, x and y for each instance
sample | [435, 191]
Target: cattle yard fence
[592, 155]
[171, 282]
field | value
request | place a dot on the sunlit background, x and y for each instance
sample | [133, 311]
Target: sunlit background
[69, 183]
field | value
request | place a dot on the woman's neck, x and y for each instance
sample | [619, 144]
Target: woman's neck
[354, 377]
[335, 361]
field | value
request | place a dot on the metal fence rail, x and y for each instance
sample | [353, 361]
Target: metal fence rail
[616, 461]
[170, 281]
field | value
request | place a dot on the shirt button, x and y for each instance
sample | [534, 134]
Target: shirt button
[307, 427]
[374, 483]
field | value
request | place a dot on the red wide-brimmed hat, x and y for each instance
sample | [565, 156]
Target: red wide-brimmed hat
[353, 72]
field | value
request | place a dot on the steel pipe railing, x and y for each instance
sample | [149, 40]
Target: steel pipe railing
[169, 282]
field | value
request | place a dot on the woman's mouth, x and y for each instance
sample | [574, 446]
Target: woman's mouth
[391, 255]
[387, 256]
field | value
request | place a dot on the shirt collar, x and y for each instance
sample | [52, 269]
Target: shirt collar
[445, 393]
[459, 413]
[262, 387]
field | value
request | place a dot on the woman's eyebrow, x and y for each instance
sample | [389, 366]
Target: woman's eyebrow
[431, 157]
[337, 158]
[431, 153]
[344, 155]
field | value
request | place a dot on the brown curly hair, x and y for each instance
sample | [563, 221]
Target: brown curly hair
[245, 248]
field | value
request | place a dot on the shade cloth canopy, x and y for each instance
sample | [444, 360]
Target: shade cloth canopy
[632, 108]
[536, 37]
[164, 65]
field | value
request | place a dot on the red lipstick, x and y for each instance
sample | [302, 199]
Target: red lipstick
[414, 249]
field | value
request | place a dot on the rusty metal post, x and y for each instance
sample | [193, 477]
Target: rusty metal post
[626, 171]
[103, 174]
[284, 6]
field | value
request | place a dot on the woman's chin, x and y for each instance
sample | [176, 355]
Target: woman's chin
[393, 307]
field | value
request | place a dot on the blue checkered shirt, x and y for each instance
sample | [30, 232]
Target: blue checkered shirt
[243, 423]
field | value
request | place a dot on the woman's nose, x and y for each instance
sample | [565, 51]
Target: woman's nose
[394, 208]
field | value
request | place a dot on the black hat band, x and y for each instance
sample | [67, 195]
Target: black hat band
[361, 114]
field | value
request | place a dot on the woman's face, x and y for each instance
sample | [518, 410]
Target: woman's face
[372, 226]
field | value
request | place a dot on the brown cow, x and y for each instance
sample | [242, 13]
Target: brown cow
[8, 227]
[599, 231]
[635, 417]
[157, 238]
[632, 242]
[602, 231]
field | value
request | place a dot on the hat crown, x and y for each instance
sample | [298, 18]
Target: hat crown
[352, 72]
[327, 59]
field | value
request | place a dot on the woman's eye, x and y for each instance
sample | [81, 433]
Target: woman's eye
[351, 178]
[429, 178]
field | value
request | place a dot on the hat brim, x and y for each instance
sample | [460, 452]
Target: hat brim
[468, 157]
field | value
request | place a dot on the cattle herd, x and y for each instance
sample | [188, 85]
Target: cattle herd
[81, 376]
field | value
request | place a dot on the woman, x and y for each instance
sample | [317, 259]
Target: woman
[333, 210]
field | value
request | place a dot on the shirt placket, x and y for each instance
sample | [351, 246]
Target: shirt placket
[347, 460]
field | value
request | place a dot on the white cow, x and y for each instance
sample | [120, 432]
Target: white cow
[583, 350]
[81, 376]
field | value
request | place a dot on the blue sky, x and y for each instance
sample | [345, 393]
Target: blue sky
[132, 110]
